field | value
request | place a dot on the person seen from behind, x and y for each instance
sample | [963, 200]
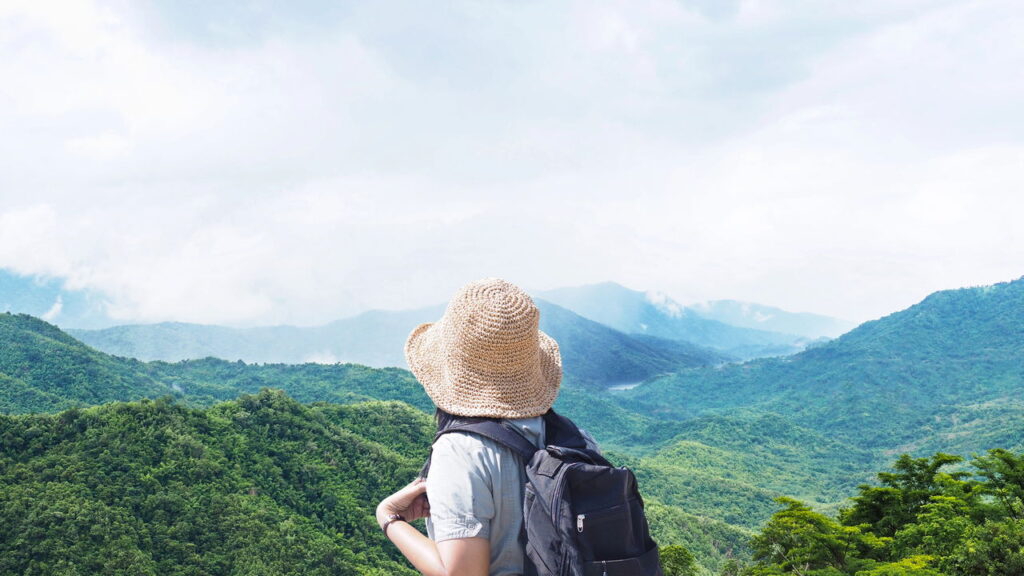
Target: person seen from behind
[486, 357]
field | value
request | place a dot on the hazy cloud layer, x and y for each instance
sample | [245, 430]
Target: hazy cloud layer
[297, 162]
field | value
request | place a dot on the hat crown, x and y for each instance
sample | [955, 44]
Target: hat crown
[492, 313]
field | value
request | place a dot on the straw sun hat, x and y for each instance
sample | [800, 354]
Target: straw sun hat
[486, 356]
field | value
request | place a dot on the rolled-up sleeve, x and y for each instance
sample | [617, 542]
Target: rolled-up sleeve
[459, 489]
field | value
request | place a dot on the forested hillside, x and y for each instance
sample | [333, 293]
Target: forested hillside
[734, 467]
[946, 374]
[262, 485]
[43, 370]
[44, 349]
[714, 447]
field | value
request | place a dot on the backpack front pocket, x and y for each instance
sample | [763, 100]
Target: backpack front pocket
[613, 533]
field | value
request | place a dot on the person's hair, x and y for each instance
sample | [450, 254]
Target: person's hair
[442, 418]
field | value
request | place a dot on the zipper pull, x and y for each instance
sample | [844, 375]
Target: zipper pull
[604, 568]
[579, 522]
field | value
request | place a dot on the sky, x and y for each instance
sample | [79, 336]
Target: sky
[297, 162]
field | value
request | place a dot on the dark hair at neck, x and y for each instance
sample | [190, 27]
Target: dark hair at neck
[442, 418]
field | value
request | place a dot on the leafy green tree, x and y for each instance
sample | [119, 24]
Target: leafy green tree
[994, 549]
[967, 527]
[677, 561]
[1004, 472]
[802, 541]
[732, 567]
[942, 527]
[888, 508]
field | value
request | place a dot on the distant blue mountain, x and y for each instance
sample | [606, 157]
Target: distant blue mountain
[592, 353]
[655, 314]
[761, 317]
[717, 332]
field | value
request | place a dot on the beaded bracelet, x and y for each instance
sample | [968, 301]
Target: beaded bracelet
[391, 518]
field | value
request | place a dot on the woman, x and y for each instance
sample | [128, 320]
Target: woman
[485, 357]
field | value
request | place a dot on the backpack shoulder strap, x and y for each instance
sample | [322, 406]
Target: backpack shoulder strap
[495, 430]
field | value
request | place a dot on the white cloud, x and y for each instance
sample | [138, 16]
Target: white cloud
[54, 311]
[840, 158]
[31, 242]
[664, 303]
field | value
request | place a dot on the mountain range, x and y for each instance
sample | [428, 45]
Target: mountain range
[707, 333]
[632, 328]
[375, 338]
[592, 353]
[655, 314]
[713, 444]
[42, 369]
[945, 374]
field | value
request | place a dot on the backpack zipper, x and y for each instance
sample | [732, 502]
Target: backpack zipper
[557, 497]
[556, 509]
[579, 522]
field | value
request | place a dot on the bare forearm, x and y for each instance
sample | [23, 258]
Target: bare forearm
[417, 548]
[462, 556]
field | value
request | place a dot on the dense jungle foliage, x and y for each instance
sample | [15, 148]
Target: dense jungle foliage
[927, 517]
[260, 485]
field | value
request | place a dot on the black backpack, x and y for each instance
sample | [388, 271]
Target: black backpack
[581, 515]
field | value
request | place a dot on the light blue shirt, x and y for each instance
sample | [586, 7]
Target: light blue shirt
[475, 489]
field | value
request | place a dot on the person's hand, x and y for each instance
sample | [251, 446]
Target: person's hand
[410, 501]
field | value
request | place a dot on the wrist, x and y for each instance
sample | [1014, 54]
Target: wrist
[391, 519]
[384, 511]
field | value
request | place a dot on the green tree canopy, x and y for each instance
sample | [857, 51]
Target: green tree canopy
[677, 561]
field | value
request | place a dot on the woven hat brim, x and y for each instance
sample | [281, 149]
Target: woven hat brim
[424, 354]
